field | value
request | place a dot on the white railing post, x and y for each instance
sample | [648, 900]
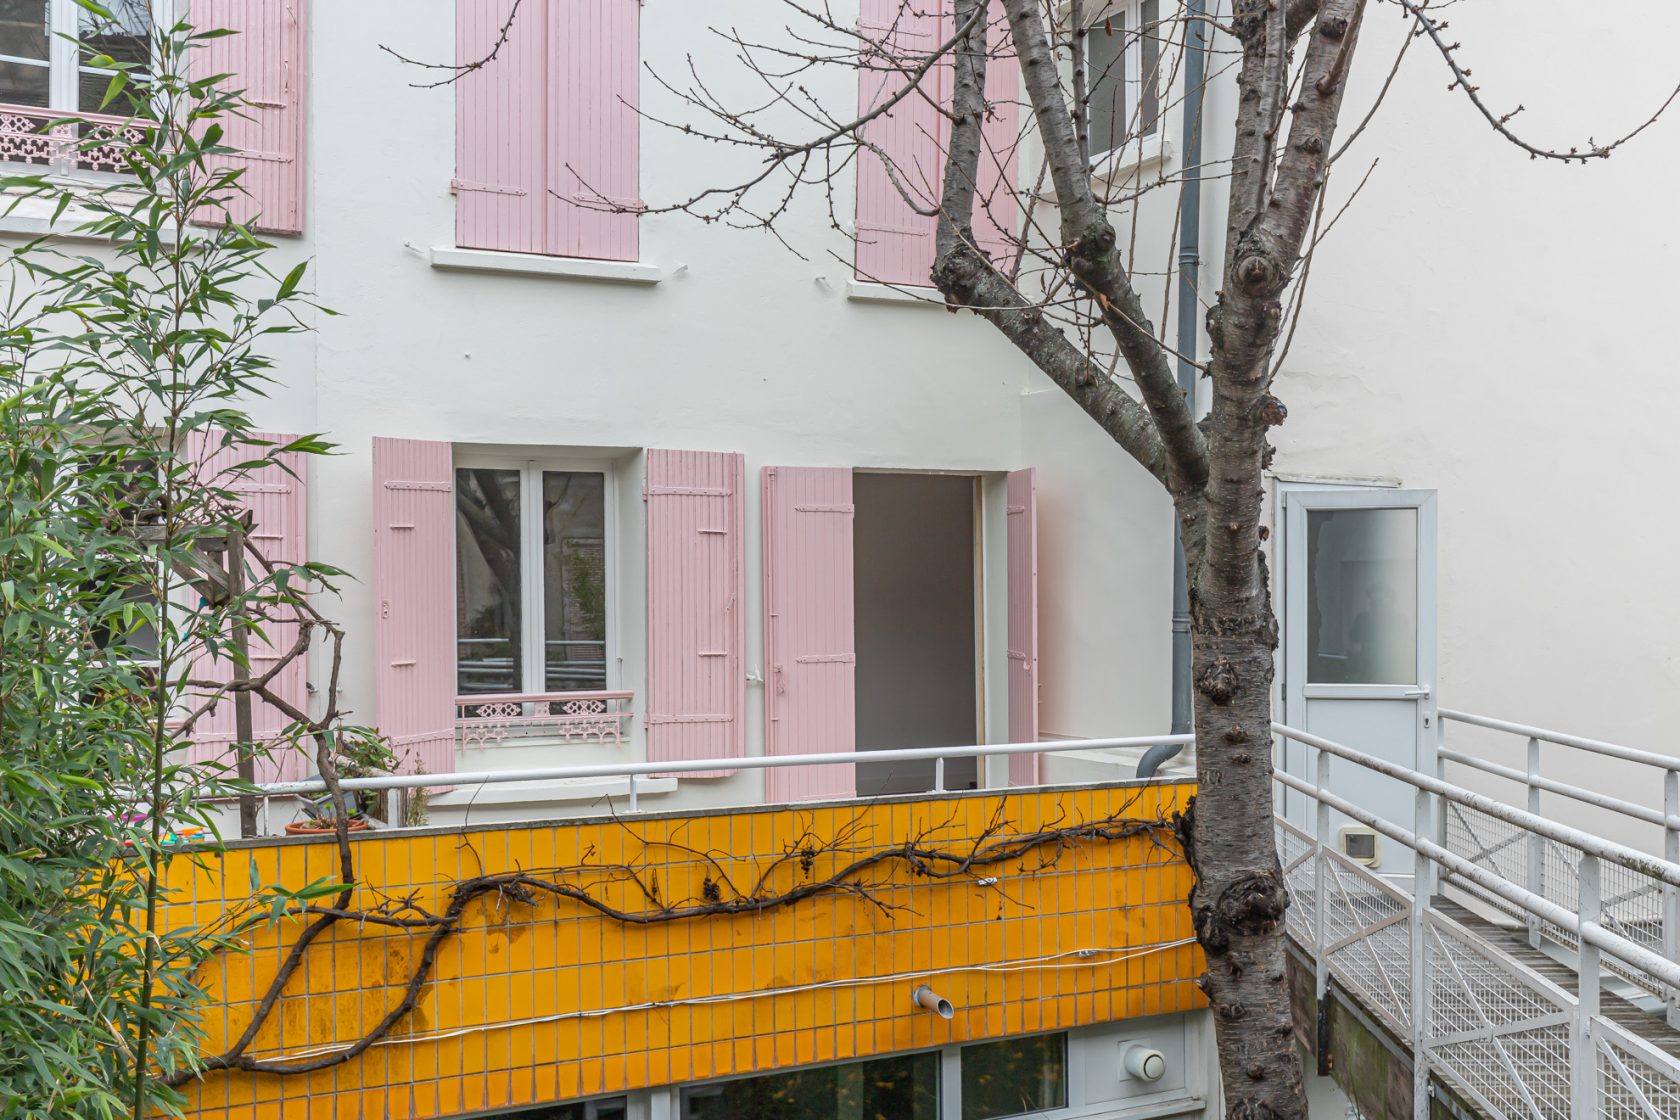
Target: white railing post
[939, 774]
[1421, 875]
[1536, 843]
[1583, 1057]
[1321, 966]
[1671, 894]
[632, 792]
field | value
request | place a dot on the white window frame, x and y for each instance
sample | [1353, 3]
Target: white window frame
[532, 632]
[1148, 147]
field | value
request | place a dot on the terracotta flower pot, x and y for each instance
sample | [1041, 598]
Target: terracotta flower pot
[322, 828]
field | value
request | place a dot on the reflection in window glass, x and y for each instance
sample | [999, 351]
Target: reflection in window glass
[488, 596]
[609, 1108]
[23, 52]
[1105, 63]
[1362, 596]
[574, 581]
[903, 1087]
[1014, 1076]
[125, 38]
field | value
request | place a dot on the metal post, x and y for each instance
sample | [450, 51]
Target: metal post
[1424, 806]
[1671, 895]
[939, 774]
[245, 761]
[1583, 1060]
[1536, 844]
[632, 793]
[1321, 967]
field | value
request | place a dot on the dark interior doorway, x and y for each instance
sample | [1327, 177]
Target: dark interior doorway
[917, 653]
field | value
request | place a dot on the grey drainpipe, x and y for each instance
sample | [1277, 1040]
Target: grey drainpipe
[1189, 274]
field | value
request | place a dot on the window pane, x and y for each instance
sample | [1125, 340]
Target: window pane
[1149, 100]
[905, 1087]
[610, 1108]
[124, 38]
[1362, 596]
[574, 581]
[23, 84]
[23, 29]
[488, 599]
[1105, 66]
[1015, 1076]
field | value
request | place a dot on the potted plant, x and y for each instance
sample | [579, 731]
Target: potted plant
[361, 753]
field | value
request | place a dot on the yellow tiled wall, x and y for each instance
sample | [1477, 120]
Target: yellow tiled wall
[543, 1002]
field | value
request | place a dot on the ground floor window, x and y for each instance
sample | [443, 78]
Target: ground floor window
[607, 1108]
[531, 578]
[1014, 1077]
[904, 1087]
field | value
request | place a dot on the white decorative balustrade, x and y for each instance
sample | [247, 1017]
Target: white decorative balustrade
[49, 139]
[492, 719]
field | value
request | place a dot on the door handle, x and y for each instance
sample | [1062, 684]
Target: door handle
[1417, 693]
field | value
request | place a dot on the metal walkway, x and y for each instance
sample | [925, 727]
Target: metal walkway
[1467, 973]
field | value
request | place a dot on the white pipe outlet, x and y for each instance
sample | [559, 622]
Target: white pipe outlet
[1143, 1062]
[930, 1000]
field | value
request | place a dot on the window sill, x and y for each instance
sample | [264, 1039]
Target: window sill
[1123, 163]
[451, 259]
[549, 792]
[33, 216]
[863, 291]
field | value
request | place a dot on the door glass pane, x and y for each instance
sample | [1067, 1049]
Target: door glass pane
[488, 598]
[1014, 1077]
[905, 1087]
[574, 581]
[1362, 608]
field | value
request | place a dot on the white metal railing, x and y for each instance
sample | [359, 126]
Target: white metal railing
[1515, 1043]
[634, 770]
[491, 718]
[1639, 905]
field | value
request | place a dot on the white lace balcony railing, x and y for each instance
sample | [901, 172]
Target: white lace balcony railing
[45, 138]
[491, 719]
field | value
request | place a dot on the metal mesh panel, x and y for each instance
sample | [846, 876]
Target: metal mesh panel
[1487, 842]
[1495, 1028]
[1366, 935]
[1635, 1081]
[1295, 850]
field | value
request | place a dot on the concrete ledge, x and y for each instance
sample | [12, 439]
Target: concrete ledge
[548, 793]
[861, 291]
[451, 259]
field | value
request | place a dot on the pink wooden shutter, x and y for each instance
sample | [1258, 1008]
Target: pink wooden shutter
[268, 60]
[414, 562]
[996, 206]
[895, 244]
[277, 497]
[809, 646]
[546, 133]
[1023, 623]
[501, 150]
[696, 695]
[594, 132]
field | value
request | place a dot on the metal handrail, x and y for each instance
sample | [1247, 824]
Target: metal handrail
[1590, 932]
[1563, 789]
[1595, 746]
[692, 765]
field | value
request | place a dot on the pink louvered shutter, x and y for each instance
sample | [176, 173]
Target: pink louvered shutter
[696, 693]
[276, 496]
[268, 59]
[594, 131]
[810, 650]
[500, 127]
[895, 243]
[996, 205]
[414, 563]
[547, 138]
[1022, 641]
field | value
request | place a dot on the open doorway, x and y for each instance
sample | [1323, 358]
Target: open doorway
[915, 626]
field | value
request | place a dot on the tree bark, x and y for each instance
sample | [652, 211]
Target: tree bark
[1213, 470]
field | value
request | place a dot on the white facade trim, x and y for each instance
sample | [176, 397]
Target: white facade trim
[451, 259]
[864, 291]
